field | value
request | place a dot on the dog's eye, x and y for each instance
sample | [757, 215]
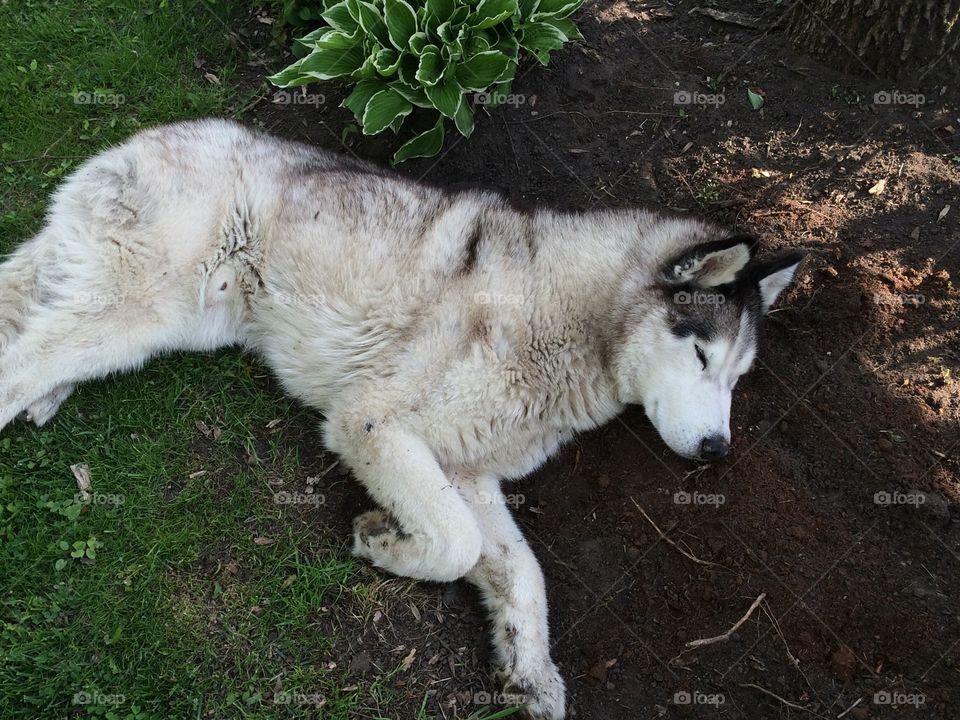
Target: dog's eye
[701, 356]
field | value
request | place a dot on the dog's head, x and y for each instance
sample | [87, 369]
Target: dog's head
[689, 338]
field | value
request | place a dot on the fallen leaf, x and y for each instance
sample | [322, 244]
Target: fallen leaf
[756, 99]
[408, 660]
[263, 541]
[879, 187]
[211, 78]
[81, 471]
[943, 213]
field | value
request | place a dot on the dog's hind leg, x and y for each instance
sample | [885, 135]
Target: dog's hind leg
[512, 588]
[19, 287]
[65, 344]
[41, 412]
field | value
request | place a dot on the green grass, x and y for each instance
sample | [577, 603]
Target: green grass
[151, 626]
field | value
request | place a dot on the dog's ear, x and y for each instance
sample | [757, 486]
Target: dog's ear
[711, 264]
[773, 276]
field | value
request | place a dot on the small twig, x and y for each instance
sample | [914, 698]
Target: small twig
[726, 636]
[777, 697]
[859, 700]
[671, 542]
[42, 157]
[790, 657]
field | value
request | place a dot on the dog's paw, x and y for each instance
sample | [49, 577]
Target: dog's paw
[541, 689]
[43, 410]
[374, 535]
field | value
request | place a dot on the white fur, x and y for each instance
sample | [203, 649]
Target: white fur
[440, 372]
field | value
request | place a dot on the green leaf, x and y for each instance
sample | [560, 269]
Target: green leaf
[540, 38]
[441, 10]
[556, 8]
[492, 12]
[476, 44]
[415, 95]
[417, 42]
[329, 63]
[372, 23]
[382, 109]
[464, 118]
[426, 144]
[291, 76]
[567, 26]
[756, 100]
[59, 564]
[356, 101]
[386, 61]
[336, 40]
[445, 96]
[401, 22]
[482, 70]
[338, 16]
[528, 8]
[407, 71]
[430, 68]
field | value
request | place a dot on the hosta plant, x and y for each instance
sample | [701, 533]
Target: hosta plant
[432, 54]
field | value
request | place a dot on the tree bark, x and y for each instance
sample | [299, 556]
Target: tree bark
[910, 41]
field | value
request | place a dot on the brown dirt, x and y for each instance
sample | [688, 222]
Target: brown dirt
[855, 391]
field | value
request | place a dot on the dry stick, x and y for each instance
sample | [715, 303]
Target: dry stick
[671, 542]
[859, 700]
[785, 702]
[726, 636]
[720, 638]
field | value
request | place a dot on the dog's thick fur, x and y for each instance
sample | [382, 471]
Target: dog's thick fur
[450, 340]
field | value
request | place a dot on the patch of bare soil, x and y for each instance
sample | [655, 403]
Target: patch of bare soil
[853, 407]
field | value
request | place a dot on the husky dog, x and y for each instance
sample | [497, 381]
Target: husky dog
[450, 340]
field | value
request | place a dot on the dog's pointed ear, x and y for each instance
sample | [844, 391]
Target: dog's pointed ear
[711, 264]
[774, 276]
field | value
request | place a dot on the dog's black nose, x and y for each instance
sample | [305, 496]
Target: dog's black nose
[713, 448]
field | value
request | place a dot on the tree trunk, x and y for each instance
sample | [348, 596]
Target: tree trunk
[911, 41]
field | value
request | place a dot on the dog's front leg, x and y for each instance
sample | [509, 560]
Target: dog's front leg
[511, 584]
[428, 531]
